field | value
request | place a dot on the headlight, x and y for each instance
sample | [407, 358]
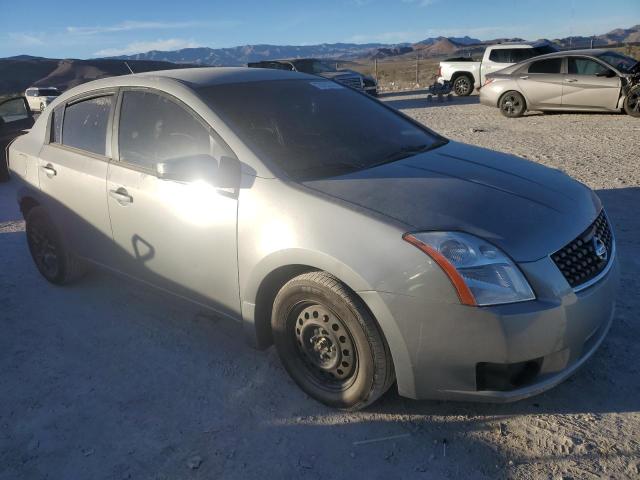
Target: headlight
[481, 273]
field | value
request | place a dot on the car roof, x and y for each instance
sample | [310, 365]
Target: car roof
[194, 78]
[501, 46]
[207, 76]
[591, 52]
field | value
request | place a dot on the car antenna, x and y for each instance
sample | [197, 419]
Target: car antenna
[128, 67]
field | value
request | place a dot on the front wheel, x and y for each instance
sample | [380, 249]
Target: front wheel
[329, 343]
[463, 86]
[632, 102]
[512, 105]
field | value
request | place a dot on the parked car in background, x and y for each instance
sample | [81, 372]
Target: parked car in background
[323, 68]
[369, 249]
[467, 75]
[39, 97]
[578, 80]
[15, 120]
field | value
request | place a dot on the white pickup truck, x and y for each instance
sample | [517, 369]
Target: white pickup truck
[466, 74]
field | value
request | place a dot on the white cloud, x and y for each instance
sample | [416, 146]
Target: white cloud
[131, 25]
[141, 47]
[26, 39]
[420, 3]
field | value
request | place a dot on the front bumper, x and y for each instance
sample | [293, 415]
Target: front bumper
[449, 345]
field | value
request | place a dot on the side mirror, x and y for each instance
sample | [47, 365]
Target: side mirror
[202, 167]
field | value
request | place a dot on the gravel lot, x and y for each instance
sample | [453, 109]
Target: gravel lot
[108, 379]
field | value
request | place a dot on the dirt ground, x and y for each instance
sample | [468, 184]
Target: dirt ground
[108, 379]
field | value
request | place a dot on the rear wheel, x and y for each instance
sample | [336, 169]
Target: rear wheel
[51, 256]
[329, 343]
[632, 102]
[512, 104]
[463, 86]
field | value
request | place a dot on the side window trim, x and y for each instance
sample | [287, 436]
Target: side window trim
[80, 98]
[115, 131]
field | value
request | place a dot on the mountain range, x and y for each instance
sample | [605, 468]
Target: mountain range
[430, 47]
[19, 72]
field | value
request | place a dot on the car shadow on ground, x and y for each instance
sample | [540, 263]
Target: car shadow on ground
[422, 101]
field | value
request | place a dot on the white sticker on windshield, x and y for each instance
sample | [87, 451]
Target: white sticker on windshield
[327, 85]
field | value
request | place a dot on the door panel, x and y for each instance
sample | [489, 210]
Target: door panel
[583, 88]
[176, 235]
[74, 184]
[74, 180]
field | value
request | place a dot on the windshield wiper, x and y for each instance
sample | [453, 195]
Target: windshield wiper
[334, 168]
[409, 151]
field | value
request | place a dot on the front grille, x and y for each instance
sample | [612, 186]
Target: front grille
[584, 258]
[353, 82]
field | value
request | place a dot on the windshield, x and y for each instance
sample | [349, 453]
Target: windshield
[621, 62]
[48, 92]
[314, 66]
[316, 128]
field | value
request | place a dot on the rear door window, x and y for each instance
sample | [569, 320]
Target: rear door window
[548, 65]
[85, 124]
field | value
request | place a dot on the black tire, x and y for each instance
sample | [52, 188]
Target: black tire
[632, 102]
[52, 258]
[42, 107]
[463, 85]
[512, 104]
[346, 366]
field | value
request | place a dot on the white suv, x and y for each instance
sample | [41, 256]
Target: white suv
[38, 97]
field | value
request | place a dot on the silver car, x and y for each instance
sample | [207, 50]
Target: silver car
[369, 249]
[577, 80]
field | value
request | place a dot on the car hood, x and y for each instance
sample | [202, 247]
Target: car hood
[524, 208]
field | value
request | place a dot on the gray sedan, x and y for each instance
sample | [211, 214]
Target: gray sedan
[578, 80]
[369, 249]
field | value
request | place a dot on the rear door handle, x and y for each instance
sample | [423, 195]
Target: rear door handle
[524, 77]
[572, 80]
[121, 196]
[49, 170]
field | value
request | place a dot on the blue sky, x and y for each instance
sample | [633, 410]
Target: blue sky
[81, 29]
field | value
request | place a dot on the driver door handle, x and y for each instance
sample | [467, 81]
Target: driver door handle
[49, 170]
[121, 196]
[571, 80]
[524, 77]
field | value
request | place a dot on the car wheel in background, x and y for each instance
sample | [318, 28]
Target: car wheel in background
[52, 258]
[42, 107]
[512, 104]
[463, 86]
[329, 343]
[632, 102]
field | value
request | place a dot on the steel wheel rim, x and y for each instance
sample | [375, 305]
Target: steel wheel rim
[45, 252]
[461, 86]
[324, 345]
[511, 104]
